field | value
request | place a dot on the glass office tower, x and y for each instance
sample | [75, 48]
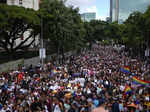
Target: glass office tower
[88, 16]
[121, 9]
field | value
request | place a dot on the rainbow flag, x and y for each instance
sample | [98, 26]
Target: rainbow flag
[127, 90]
[54, 71]
[138, 81]
[125, 70]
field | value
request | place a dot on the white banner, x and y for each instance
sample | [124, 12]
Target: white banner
[147, 52]
[42, 53]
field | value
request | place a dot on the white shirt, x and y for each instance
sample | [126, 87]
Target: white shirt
[122, 88]
[2, 110]
[57, 109]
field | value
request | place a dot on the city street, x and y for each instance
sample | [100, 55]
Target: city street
[74, 55]
[92, 79]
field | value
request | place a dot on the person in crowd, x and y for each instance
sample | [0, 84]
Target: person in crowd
[89, 82]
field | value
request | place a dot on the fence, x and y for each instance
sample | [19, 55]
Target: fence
[34, 61]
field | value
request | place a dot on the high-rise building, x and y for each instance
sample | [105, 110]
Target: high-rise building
[88, 16]
[34, 4]
[121, 9]
[110, 16]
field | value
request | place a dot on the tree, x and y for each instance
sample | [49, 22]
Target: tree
[145, 26]
[114, 32]
[99, 28]
[95, 30]
[14, 23]
[65, 28]
[134, 36]
[89, 32]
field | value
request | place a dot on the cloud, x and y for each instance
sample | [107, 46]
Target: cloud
[102, 17]
[80, 3]
[94, 9]
[86, 6]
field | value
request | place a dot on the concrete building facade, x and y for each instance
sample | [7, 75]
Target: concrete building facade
[34, 4]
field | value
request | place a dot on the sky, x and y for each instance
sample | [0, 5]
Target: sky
[101, 7]
[139, 5]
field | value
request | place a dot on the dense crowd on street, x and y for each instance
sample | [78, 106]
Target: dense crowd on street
[83, 83]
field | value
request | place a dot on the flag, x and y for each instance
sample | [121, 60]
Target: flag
[127, 90]
[38, 79]
[125, 70]
[138, 81]
[54, 71]
[20, 77]
[133, 74]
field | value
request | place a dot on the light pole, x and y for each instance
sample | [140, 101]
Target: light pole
[42, 43]
[42, 51]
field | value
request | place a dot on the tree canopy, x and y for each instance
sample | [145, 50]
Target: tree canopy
[65, 28]
[14, 23]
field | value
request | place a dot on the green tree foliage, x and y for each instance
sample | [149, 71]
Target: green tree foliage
[136, 33]
[145, 26]
[99, 28]
[64, 28]
[113, 31]
[14, 22]
[95, 30]
[134, 29]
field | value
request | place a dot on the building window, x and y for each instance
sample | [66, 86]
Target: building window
[20, 2]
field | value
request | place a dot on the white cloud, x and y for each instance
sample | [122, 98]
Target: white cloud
[86, 6]
[102, 17]
[80, 3]
[94, 9]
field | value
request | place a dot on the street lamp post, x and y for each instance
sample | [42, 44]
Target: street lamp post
[42, 43]
[42, 51]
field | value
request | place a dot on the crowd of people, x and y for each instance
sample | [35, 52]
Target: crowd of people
[83, 83]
